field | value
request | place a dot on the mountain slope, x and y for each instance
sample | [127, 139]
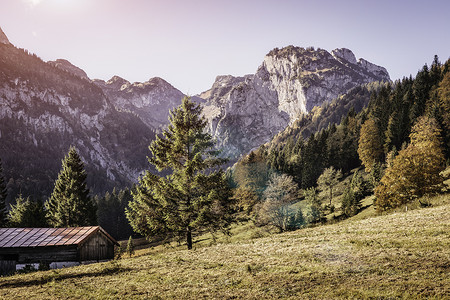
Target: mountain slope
[44, 110]
[151, 100]
[69, 67]
[245, 112]
[320, 117]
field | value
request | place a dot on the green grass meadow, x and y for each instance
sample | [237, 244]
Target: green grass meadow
[403, 255]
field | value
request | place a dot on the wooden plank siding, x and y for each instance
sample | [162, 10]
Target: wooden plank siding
[98, 247]
[47, 245]
[26, 255]
[7, 267]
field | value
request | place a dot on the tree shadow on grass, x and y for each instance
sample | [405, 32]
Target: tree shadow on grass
[53, 275]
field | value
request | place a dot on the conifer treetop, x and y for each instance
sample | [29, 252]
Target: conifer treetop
[70, 203]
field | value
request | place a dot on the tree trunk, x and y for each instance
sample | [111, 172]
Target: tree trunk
[189, 238]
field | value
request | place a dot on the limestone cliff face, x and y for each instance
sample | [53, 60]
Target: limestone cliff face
[151, 100]
[245, 112]
[238, 118]
[45, 109]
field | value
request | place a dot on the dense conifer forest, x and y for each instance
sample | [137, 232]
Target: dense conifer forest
[369, 135]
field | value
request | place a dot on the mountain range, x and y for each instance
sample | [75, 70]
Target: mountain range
[245, 112]
[47, 106]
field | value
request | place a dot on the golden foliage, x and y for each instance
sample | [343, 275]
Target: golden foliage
[369, 146]
[416, 170]
[245, 198]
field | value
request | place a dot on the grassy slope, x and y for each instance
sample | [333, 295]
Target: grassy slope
[401, 255]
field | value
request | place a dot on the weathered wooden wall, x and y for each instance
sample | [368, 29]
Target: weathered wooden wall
[42, 254]
[97, 247]
[7, 267]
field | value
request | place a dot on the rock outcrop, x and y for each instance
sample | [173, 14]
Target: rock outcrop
[151, 100]
[69, 67]
[3, 37]
[245, 112]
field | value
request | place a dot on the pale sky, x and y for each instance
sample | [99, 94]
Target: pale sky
[190, 42]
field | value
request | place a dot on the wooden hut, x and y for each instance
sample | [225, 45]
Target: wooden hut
[53, 245]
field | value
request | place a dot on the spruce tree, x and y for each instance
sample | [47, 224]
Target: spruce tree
[444, 103]
[421, 91]
[130, 246]
[351, 201]
[3, 195]
[194, 195]
[314, 212]
[70, 203]
[27, 213]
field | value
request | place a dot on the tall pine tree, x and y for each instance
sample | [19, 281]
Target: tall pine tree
[27, 213]
[70, 203]
[3, 195]
[194, 196]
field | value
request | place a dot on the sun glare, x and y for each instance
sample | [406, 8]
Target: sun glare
[33, 2]
[57, 5]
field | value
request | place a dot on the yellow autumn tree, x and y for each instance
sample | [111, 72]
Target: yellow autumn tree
[246, 198]
[416, 170]
[370, 149]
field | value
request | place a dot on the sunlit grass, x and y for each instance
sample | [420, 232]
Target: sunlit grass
[400, 255]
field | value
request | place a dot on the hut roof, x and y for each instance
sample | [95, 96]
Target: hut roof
[41, 237]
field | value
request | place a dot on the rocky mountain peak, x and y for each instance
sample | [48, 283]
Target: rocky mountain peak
[221, 86]
[245, 112]
[116, 82]
[3, 38]
[151, 100]
[158, 80]
[69, 67]
[374, 69]
[345, 54]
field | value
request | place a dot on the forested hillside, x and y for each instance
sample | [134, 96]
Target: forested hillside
[371, 136]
